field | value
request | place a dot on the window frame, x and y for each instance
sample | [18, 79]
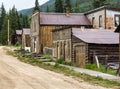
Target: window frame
[117, 15]
[100, 21]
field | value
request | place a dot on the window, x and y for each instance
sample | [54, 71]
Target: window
[100, 21]
[34, 27]
[117, 20]
[93, 21]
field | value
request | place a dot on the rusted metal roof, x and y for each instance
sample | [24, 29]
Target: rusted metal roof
[62, 19]
[26, 31]
[18, 32]
[96, 36]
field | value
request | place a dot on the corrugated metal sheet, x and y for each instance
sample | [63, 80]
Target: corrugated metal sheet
[18, 32]
[97, 36]
[26, 31]
[62, 19]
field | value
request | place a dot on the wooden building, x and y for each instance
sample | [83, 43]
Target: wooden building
[19, 36]
[42, 25]
[26, 41]
[82, 46]
[104, 17]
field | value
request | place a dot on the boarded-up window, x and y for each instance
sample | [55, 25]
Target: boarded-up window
[93, 21]
[100, 21]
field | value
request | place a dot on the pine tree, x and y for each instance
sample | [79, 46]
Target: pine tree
[4, 31]
[14, 19]
[36, 6]
[16, 22]
[98, 3]
[76, 8]
[47, 9]
[2, 22]
[25, 22]
[58, 6]
[67, 4]
[3, 13]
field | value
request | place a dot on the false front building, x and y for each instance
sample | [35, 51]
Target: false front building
[42, 25]
[104, 17]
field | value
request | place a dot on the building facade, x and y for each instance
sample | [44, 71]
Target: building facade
[26, 41]
[42, 25]
[81, 46]
[104, 17]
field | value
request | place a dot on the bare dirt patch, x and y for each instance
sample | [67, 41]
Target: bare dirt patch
[18, 75]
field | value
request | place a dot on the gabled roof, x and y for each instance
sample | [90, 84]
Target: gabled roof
[18, 32]
[62, 19]
[101, 8]
[26, 31]
[96, 36]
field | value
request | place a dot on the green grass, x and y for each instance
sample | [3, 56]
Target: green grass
[101, 69]
[47, 56]
[61, 61]
[66, 71]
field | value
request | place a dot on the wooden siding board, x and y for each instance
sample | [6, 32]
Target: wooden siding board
[110, 50]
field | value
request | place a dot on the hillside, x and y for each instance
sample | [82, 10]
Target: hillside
[83, 5]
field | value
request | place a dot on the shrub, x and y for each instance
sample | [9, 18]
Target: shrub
[91, 66]
[17, 43]
[60, 60]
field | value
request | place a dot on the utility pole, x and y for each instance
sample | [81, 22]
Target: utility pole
[8, 32]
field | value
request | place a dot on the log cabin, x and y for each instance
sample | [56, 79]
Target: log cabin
[42, 25]
[82, 46]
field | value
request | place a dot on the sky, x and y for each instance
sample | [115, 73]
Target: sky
[20, 4]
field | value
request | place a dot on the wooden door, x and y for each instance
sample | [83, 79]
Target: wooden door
[80, 55]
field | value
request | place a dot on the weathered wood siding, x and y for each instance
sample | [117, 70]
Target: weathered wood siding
[26, 41]
[103, 51]
[34, 33]
[85, 53]
[80, 51]
[46, 35]
[62, 44]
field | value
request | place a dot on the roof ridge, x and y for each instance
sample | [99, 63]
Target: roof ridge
[61, 13]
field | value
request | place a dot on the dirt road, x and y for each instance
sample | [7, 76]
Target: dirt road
[18, 75]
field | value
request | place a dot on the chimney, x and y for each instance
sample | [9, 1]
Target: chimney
[67, 11]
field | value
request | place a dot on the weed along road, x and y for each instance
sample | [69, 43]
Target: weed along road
[18, 75]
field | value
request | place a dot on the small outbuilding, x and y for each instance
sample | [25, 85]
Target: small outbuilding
[26, 41]
[19, 36]
[83, 46]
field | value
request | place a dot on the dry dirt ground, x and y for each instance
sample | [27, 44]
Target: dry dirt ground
[18, 75]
